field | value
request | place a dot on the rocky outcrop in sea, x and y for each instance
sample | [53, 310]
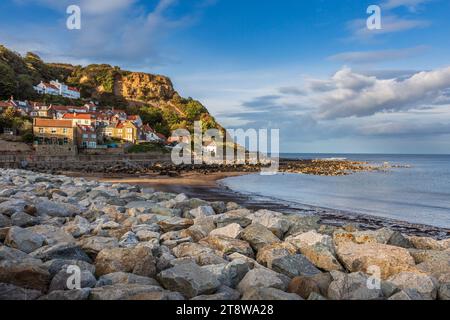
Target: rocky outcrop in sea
[67, 238]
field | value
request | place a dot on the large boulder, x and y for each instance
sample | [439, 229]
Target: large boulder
[56, 265]
[224, 293]
[274, 221]
[363, 257]
[427, 286]
[28, 274]
[124, 278]
[138, 260]
[203, 255]
[318, 248]
[202, 211]
[258, 236]
[239, 216]
[9, 207]
[125, 292]
[232, 230]
[56, 209]
[22, 219]
[269, 294]
[304, 286]
[302, 224]
[12, 292]
[78, 227]
[228, 245]
[175, 224]
[426, 243]
[93, 245]
[444, 291]
[23, 239]
[381, 236]
[63, 280]
[189, 279]
[52, 234]
[353, 286]
[67, 251]
[67, 295]
[230, 274]
[263, 278]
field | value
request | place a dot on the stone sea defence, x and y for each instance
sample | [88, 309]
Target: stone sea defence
[67, 238]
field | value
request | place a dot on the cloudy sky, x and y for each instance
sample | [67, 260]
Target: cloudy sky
[310, 68]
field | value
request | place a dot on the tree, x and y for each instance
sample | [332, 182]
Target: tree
[7, 81]
[10, 114]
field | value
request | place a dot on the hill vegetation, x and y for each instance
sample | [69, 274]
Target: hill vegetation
[151, 96]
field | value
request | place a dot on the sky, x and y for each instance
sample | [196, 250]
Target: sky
[310, 68]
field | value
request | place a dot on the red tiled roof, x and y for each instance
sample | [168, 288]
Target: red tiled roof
[87, 128]
[80, 116]
[73, 89]
[60, 108]
[48, 85]
[38, 122]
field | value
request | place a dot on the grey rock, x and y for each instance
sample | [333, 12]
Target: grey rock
[399, 240]
[5, 221]
[12, 292]
[56, 209]
[93, 245]
[189, 279]
[202, 211]
[67, 251]
[269, 294]
[224, 293]
[230, 274]
[63, 280]
[22, 219]
[23, 239]
[444, 291]
[263, 278]
[352, 286]
[407, 294]
[427, 286]
[52, 234]
[258, 236]
[67, 295]
[123, 292]
[56, 265]
[125, 278]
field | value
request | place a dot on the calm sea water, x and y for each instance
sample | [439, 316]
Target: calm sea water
[419, 194]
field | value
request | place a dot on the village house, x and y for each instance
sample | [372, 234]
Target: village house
[84, 119]
[57, 88]
[86, 137]
[136, 120]
[54, 137]
[149, 135]
[126, 131]
[210, 148]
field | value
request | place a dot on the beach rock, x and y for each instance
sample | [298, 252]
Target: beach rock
[175, 224]
[125, 278]
[23, 220]
[137, 260]
[56, 209]
[444, 291]
[67, 251]
[146, 235]
[424, 284]
[128, 240]
[12, 292]
[63, 280]
[230, 274]
[239, 216]
[232, 230]
[224, 293]
[67, 295]
[93, 245]
[399, 240]
[258, 236]
[426, 243]
[203, 255]
[352, 286]
[302, 224]
[437, 265]
[318, 249]
[274, 221]
[202, 211]
[304, 286]
[52, 234]
[55, 266]
[263, 278]
[381, 236]
[5, 221]
[189, 279]
[11, 206]
[124, 292]
[408, 294]
[28, 274]
[23, 239]
[269, 294]
[228, 245]
[316, 296]
[78, 227]
[362, 257]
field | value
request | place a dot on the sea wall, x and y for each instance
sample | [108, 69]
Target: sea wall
[127, 242]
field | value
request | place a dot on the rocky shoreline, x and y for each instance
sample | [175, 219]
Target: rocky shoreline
[127, 242]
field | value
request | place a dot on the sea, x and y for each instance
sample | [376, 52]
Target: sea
[415, 190]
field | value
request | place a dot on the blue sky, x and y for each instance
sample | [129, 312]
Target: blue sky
[310, 68]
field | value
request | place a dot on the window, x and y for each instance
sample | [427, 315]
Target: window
[92, 144]
[41, 130]
[85, 136]
[66, 141]
[130, 130]
[65, 130]
[53, 130]
[93, 136]
[86, 121]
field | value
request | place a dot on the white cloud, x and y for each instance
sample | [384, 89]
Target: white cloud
[368, 57]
